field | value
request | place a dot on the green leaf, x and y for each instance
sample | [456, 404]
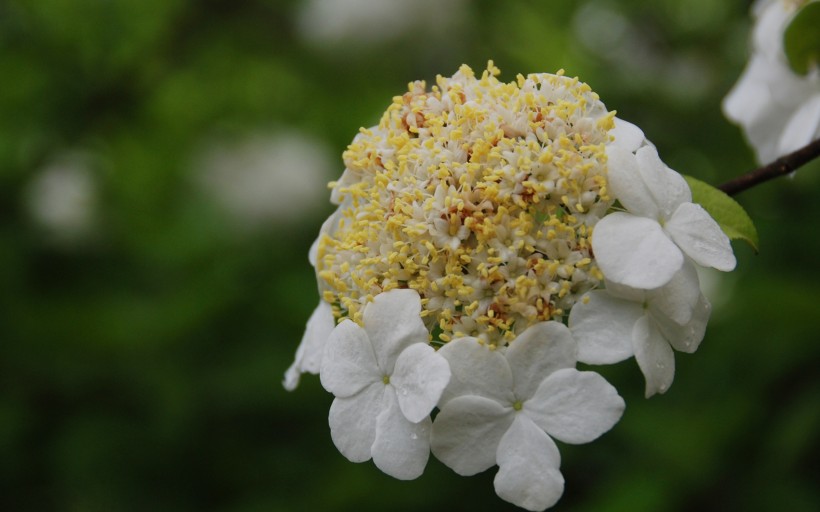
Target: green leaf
[732, 218]
[801, 40]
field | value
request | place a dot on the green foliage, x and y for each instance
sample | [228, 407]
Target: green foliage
[732, 218]
[801, 41]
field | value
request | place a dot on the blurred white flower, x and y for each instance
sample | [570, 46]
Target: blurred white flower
[266, 178]
[329, 21]
[602, 27]
[62, 199]
[778, 109]
[635, 59]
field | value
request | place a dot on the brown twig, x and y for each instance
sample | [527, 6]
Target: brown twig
[780, 167]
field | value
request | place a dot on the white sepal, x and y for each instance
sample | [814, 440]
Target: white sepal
[528, 467]
[575, 407]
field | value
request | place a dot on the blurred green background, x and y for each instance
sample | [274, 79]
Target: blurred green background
[162, 175]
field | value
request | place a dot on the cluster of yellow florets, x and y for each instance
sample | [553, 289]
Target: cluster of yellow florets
[478, 194]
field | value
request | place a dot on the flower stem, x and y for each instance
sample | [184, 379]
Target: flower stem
[780, 167]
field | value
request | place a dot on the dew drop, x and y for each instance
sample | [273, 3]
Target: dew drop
[414, 436]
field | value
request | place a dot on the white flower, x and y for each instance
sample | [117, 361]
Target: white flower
[504, 407]
[619, 322]
[778, 109]
[645, 246]
[386, 379]
[333, 21]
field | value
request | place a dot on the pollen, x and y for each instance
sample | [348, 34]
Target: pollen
[478, 194]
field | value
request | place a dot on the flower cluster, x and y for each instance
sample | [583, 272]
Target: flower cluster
[488, 237]
[478, 195]
[778, 109]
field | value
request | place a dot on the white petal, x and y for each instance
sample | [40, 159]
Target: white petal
[677, 299]
[292, 375]
[667, 187]
[476, 370]
[467, 431]
[311, 349]
[537, 352]
[687, 337]
[349, 364]
[420, 377]
[627, 135]
[764, 133]
[700, 237]
[767, 34]
[528, 462]
[749, 98]
[624, 292]
[762, 101]
[575, 407]
[319, 326]
[294, 372]
[602, 327]
[393, 322]
[353, 421]
[313, 252]
[802, 127]
[401, 448]
[626, 184]
[654, 356]
[329, 226]
[635, 251]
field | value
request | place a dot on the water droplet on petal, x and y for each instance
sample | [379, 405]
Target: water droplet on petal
[414, 436]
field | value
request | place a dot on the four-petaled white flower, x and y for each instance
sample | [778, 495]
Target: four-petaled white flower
[778, 109]
[386, 379]
[645, 246]
[504, 408]
[619, 322]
